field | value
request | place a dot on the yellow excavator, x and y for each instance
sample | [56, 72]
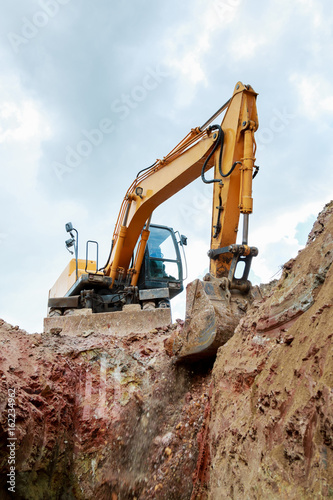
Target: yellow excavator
[131, 293]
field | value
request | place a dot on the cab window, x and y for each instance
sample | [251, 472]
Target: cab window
[163, 262]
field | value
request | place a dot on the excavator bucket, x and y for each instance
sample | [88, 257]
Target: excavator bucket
[212, 314]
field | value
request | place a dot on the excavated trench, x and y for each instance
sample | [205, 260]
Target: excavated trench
[105, 417]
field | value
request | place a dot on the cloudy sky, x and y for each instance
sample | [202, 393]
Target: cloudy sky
[92, 92]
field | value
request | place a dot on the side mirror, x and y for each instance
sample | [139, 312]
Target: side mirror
[183, 240]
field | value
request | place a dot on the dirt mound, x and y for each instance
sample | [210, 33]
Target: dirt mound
[271, 431]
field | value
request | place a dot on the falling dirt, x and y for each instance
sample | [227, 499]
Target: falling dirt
[115, 418]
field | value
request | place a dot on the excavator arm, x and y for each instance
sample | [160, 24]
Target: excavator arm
[229, 149]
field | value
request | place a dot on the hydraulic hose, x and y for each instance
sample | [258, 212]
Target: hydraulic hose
[144, 169]
[219, 142]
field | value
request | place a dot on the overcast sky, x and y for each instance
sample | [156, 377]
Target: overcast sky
[92, 92]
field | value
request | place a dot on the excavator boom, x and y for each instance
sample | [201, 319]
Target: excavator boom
[229, 149]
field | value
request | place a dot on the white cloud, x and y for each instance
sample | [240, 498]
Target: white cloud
[246, 46]
[23, 127]
[276, 240]
[190, 44]
[314, 11]
[22, 121]
[316, 94]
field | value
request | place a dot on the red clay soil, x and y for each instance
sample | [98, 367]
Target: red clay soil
[99, 417]
[115, 418]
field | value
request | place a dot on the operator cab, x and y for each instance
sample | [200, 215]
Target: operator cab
[82, 285]
[162, 264]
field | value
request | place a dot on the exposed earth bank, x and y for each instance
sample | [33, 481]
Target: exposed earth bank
[115, 418]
